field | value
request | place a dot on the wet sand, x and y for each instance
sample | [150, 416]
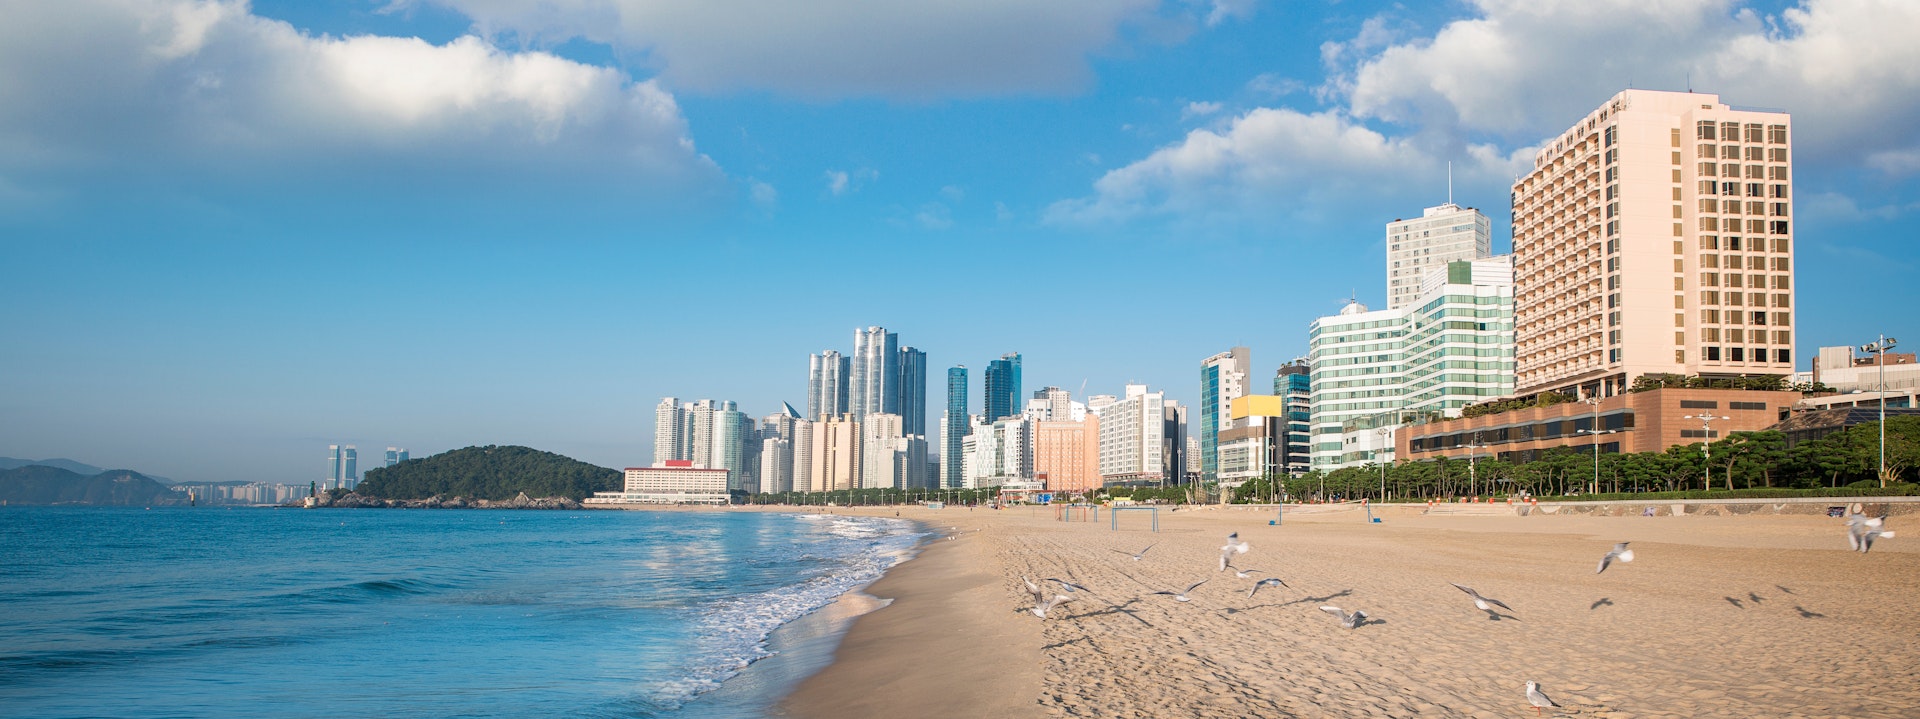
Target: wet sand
[1718, 616]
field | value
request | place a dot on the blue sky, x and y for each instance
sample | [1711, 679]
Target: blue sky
[236, 233]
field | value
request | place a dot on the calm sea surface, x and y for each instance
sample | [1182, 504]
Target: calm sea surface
[213, 612]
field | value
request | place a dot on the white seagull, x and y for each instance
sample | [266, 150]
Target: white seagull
[1040, 610]
[1620, 551]
[1181, 596]
[1232, 547]
[1268, 582]
[1862, 530]
[1482, 603]
[1136, 555]
[1069, 587]
[1347, 619]
[1538, 699]
[1039, 595]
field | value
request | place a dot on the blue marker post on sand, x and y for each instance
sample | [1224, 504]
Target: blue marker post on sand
[1369, 506]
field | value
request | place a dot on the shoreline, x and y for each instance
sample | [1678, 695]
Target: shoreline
[941, 646]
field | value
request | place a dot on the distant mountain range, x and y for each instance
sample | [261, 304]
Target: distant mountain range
[42, 484]
[80, 468]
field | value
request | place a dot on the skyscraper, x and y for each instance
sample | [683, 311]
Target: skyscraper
[955, 429]
[1134, 446]
[1654, 237]
[396, 455]
[827, 385]
[876, 373]
[913, 391]
[343, 470]
[883, 452]
[1293, 383]
[836, 454]
[669, 432]
[1440, 235]
[1001, 392]
[1223, 378]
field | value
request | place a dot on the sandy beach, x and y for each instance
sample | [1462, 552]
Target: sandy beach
[1739, 616]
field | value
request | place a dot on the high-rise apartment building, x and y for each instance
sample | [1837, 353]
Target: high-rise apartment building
[827, 384]
[1223, 378]
[1066, 454]
[343, 468]
[779, 433]
[669, 432]
[1357, 364]
[1443, 234]
[954, 428]
[912, 387]
[1003, 452]
[1000, 396]
[883, 452]
[875, 386]
[396, 455]
[836, 454]
[1459, 343]
[1293, 383]
[1655, 236]
[1142, 439]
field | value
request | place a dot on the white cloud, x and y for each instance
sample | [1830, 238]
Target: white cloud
[837, 181]
[1224, 10]
[1896, 162]
[1274, 86]
[762, 194]
[841, 182]
[953, 193]
[1848, 70]
[184, 83]
[1266, 160]
[837, 48]
[1198, 109]
[934, 216]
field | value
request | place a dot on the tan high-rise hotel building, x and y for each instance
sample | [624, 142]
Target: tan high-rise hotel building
[1655, 236]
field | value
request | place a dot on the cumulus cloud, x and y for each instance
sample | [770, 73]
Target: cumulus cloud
[837, 182]
[1224, 10]
[93, 84]
[1483, 90]
[1198, 109]
[1848, 70]
[836, 48]
[1266, 158]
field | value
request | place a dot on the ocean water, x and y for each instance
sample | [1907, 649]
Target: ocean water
[214, 612]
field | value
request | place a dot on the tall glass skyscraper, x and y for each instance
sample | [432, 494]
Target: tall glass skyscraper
[396, 455]
[876, 373]
[1001, 395]
[956, 429]
[913, 391]
[343, 471]
[1223, 377]
[827, 385]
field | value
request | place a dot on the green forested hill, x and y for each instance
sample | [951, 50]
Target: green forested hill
[489, 472]
[39, 484]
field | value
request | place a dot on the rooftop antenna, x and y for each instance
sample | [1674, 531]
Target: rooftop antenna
[1689, 81]
[1449, 182]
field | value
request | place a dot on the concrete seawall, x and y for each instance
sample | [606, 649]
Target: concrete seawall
[1876, 506]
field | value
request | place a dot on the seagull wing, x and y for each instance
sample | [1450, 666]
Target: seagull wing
[1335, 611]
[1195, 585]
[1468, 590]
[1604, 561]
[1497, 603]
[1144, 551]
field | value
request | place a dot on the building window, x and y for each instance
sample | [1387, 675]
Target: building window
[1733, 243]
[1713, 354]
[1711, 317]
[1699, 404]
[1706, 169]
[1679, 356]
[1709, 279]
[1710, 334]
[1783, 356]
[1755, 154]
[1709, 242]
[1777, 172]
[1736, 354]
[1777, 134]
[1779, 227]
[1706, 130]
[1777, 154]
[1759, 318]
[1782, 319]
[1779, 300]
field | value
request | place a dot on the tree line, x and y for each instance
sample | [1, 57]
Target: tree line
[1741, 461]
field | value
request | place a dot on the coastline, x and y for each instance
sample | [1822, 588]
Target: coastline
[942, 646]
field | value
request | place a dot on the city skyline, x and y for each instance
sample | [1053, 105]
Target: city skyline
[511, 272]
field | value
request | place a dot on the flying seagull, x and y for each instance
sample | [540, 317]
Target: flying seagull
[1268, 582]
[1040, 610]
[1039, 595]
[1538, 699]
[1069, 587]
[1136, 555]
[1181, 596]
[1482, 603]
[1863, 530]
[1243, 573]
[1232, 547]
[1347, 619]
[1620, 551]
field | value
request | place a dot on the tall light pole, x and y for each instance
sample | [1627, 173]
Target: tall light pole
[1879, 350]
[1596, 431]
[1386, 435]
[1473, 469]
[1706, 430]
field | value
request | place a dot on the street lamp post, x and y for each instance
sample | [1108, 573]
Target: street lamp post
[1706, 445]
[1879, 350]
[1473, 467]
[1596, 431]
[1386, 435]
